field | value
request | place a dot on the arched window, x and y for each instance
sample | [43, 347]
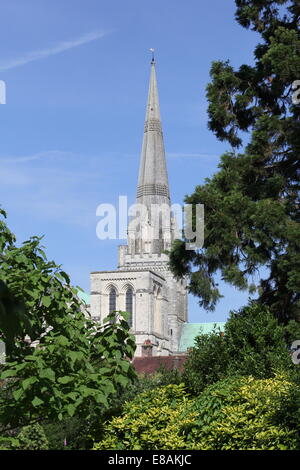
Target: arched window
[112, 300]
[129, 304]
[158, 321]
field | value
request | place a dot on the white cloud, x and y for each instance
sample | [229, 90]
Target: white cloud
[64, 189]
[37, 156]
[56, 49]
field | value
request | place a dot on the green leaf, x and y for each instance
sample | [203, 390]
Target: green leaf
[65, 276]
[46, 301]
[75, 355]
[71, 409]
[27, 382]
[104, 370]
[31, 357]
[62, 340]
[8, 373]
[66, 379]
[125, 366]
[122, 380]
[47, 374]
[18, 393]
[87, 391]
[72, 395]
[100, 398]
[37, 402]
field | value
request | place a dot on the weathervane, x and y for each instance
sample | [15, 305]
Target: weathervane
[152, 51]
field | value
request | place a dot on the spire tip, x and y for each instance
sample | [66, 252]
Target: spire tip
[152, 52]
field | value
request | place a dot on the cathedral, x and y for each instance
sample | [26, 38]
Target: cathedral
[143, 284]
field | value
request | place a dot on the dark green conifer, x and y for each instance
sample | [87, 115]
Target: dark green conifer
[252, 202]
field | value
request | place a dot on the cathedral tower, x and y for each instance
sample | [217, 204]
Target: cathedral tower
[143, 284]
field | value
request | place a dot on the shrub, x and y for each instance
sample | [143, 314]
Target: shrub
[256, 343]
[237, 413]
[245, 414]
[70, 433]
[207, 362]
[33, 438]
[8, 443]
[155, 420]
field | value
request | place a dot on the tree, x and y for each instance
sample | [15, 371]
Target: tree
[13, 318]
[252, 202]
[253, 344]
[60, 363]
[257, 344]
[207, 361]
[35, 294]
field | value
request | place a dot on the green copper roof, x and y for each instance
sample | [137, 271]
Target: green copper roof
[191, 330]
[84, 296]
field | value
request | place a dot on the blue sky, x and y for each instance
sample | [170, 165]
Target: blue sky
[77, 75]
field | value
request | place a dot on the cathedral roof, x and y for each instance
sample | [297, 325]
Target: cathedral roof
[84, 296]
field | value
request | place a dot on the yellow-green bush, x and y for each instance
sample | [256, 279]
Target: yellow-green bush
[156, 419]
[237, 413]
[243, 414]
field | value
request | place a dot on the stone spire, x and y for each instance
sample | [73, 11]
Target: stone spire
[153, 186]
[154, 232]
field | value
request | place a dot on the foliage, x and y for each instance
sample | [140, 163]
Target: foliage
[162, 376]
[257, 344]
[32, 438]
[154, 420]
[142, 383]
[70, 433]
[207, 361]
[36, 294]
[75, 365]
[252, 202]
[68, 374]
[242, 414]
[168, 376]
[253, 343]
[13, 317]
[238, 413]
[8, 443]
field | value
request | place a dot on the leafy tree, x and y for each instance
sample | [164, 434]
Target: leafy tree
[253, 344]
[257, 344]
[13, 317]
[252, 202]
[68, 375]
[60, 363]
[207, 361]
[35, 294]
